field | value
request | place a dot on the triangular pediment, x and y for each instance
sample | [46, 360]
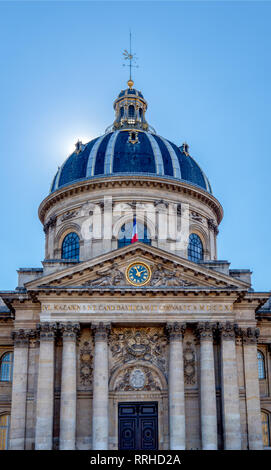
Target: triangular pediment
[110, 270]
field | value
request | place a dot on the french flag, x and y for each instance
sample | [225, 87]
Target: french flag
[134, 234]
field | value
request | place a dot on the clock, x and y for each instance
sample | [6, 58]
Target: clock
[138, 274]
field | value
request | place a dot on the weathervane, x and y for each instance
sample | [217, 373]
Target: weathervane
[132, 59]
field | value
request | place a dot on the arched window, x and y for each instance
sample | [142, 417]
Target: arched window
[70, 247]
[122, 111]
[6, 367]
[4, 431]
[266, 428]
[131, 111]
[261, 365]
[195, 248]
[126, 231]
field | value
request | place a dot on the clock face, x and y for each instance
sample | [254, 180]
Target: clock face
[138, 274]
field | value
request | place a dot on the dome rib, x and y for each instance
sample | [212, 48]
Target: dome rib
[92, 156]
[157, 155]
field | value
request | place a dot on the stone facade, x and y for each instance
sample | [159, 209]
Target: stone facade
[86, 341]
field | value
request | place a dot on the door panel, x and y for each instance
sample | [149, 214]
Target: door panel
[138, 426]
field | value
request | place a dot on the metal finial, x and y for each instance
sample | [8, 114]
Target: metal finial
[131, 57]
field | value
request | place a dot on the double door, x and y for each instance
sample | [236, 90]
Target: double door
[138, 426]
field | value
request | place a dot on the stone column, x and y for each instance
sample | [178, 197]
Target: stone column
[176, 386]
[207, 387]
[45, 388]
[253, 405]
[100, 388]
[19, 389]
[68, 387]
[230, 388]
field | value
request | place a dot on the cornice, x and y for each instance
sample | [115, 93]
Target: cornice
[120, 181]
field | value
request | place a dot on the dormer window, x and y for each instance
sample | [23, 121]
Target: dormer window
[133, 137]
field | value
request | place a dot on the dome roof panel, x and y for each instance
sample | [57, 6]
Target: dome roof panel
[130, 152]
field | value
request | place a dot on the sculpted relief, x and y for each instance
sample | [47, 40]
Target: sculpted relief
[161, 277]
[85, 366]
[128, 345]
[112, 276]
[164, 277]
[137, 379]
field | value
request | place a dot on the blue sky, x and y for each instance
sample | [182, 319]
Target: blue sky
[205, 72]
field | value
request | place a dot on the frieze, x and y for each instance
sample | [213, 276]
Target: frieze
[139, 379]
[134, 344]
[137, 307]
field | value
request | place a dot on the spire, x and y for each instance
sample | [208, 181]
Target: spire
[131, 57]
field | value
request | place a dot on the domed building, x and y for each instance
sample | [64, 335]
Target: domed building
[133, 335]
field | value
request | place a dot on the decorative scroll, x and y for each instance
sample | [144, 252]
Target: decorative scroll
[144, 344]
[137, 379]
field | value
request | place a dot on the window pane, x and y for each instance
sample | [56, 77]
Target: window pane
[261, 368]
[6, 367]
[195, 248]
[4, 431]
[70, 247]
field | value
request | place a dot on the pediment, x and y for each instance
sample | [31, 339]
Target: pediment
[109, 271]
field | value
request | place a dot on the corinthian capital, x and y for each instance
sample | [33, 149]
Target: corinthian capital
[47, 331]
[69, 330]
[175, 330]
[205, 330]
[20, 337]
[101, 331]
[250, 335]
[227, 330]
